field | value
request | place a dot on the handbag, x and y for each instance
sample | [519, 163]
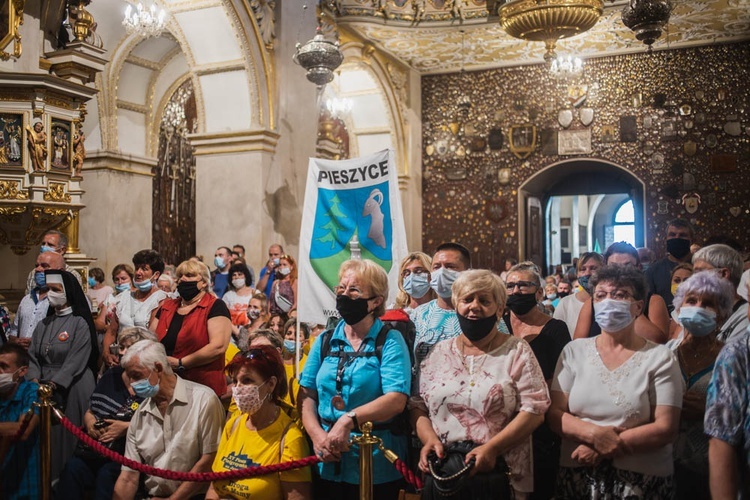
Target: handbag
[450, 476]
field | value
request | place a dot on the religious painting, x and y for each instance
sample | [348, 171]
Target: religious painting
[609, 133]
[11, 16]
[668, 130]
[11, 140]
[628, 129]
[549, 142]
[723, 163]
[522, 140]
[60, 144]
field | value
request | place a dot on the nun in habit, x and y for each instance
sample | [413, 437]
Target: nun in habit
[63, 353]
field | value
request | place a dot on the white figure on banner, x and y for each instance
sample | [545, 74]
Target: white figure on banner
[356, 253]
[372, 208]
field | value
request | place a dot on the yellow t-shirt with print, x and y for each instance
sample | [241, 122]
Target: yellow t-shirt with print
[241, 447]
[292, 382]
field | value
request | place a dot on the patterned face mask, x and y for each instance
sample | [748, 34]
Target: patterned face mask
[247, 397]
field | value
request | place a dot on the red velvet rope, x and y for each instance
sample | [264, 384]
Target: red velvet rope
[410, 477]
[24, 425]
[200, 477]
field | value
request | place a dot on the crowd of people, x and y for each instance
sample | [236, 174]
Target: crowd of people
[621, 377]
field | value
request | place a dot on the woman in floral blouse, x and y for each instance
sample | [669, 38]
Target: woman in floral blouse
[481, 386]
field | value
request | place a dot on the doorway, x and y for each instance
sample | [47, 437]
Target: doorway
[575, 206]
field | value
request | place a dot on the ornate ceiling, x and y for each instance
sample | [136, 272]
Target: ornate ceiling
[426, 34]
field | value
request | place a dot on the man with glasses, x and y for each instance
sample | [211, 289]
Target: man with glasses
[53, 241]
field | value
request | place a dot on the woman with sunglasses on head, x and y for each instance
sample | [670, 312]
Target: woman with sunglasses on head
[195, 329]
[616, 401]
[347, 381]
[107, 419]
[260, 433]
[414, 282]
[547, 338]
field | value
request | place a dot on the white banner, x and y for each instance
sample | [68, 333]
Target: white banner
[352, 209]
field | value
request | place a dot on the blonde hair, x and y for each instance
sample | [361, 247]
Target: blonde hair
[371, 275]
[192, 268]
[402, 298]
[479, 281]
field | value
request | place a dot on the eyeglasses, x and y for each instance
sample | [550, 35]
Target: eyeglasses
[353, 292]
[616, 295]
[418, 270]
[524, 286]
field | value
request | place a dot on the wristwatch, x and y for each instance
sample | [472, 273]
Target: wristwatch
[179, 365]
[353, 416]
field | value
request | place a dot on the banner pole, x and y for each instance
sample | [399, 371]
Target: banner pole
[45, 442]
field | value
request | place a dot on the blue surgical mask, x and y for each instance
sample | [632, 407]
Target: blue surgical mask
[698, 321]
[40, 279]
[219, 262]
[143, 286]
[613, 315]
[92, 282]
[290, 346]
[416, 285]
[442, 281]
[122, 287]
[46, 248]
[144, 389]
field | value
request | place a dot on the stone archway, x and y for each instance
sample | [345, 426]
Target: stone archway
[589, 176]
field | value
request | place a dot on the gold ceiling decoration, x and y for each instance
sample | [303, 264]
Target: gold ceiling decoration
[549, 20]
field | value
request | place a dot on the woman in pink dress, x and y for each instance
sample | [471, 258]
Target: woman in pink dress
[482, 386]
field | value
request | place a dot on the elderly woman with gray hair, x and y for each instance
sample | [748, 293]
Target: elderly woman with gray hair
[111, 406]
[482, 390]
[702, 303]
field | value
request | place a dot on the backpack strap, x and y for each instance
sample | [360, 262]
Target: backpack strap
[380, 340]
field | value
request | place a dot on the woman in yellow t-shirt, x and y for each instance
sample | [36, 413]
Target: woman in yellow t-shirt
[260, 434]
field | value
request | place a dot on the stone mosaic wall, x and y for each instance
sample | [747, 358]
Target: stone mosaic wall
[690, 109]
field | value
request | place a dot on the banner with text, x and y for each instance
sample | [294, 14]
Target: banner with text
[352, 209]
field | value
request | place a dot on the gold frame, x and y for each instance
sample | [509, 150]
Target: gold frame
[15, 20]
[522, 151]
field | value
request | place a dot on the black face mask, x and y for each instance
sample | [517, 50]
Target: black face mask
[477, 329]
[522, 303]
[188, 290]
[562, 294]
[678, 247]
[352, 311]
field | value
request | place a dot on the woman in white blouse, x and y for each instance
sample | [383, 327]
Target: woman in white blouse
[482, 386]
[616, 401]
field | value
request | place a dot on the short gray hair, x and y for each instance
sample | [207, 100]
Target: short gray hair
[147, 353]
[530, 268]
[708, 284]
[136, 334]
[722, 256]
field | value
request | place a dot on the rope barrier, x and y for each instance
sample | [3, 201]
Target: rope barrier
[24, 424]
[410, 477]
[197, 477]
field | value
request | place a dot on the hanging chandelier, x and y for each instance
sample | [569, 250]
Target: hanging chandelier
[319, 57]
[647, 18]
[144, 22]
[549, 20]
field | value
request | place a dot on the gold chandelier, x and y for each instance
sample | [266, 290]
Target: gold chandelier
[549, 20]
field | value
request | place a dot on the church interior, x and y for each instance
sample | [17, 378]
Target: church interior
[528, 129]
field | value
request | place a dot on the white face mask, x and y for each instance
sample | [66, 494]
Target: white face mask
[613, 315]
[6, 381]
[442, 281]
[238, 283]
[57, 299]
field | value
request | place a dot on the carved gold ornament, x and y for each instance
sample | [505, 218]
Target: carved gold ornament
[549, 20]
[10, 28]
[10, 190]
[56, 192]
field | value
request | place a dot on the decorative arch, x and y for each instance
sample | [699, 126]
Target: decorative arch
[571, 177]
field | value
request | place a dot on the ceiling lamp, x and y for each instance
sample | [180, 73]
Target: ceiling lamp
[320, 57]
[647, 19]
[144, 22]
[549, 20]
[566, 68]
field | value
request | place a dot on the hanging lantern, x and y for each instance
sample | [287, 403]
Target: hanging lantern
[647, 19]
[320, 58]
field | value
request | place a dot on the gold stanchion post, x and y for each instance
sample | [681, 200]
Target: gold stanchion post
[45, 446]
[365, 443]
